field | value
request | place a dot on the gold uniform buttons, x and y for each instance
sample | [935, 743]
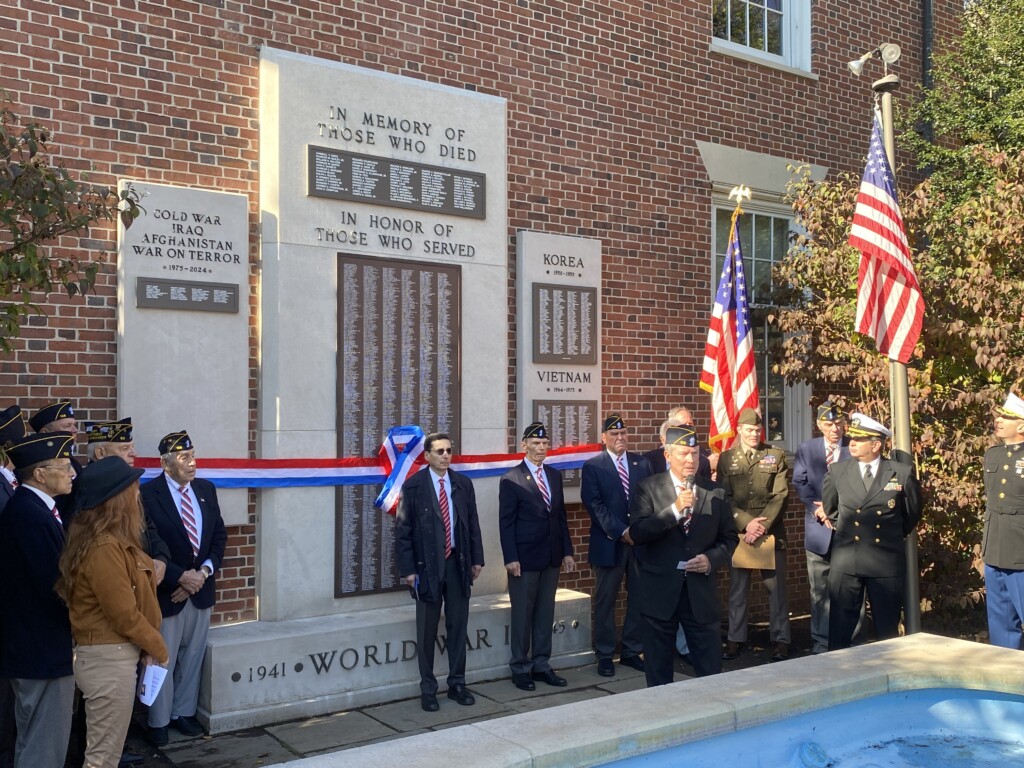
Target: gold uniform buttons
[1002, 495]
[878, 541]
[857, 524]
[856, 538]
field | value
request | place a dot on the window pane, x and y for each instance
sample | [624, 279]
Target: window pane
[775, 418]
[781, 246]
[762, 245]
[723, 218]
[720, 21]
[774, 42]
[738, 22]
[746, 233]
[756, 27]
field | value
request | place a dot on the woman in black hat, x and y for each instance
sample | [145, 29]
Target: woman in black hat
[107, 580]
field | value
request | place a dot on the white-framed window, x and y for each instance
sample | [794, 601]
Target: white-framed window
[775, 31]
[764, 238]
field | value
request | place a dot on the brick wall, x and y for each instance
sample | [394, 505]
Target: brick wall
[605, 102]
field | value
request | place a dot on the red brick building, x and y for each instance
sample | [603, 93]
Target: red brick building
[627, 122]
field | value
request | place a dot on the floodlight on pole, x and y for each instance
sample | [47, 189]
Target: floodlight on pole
[889, 53]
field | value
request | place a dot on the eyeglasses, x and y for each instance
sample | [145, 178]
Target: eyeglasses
[61, 467]
[442, 451]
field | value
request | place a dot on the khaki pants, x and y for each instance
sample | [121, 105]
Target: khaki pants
[106, 676]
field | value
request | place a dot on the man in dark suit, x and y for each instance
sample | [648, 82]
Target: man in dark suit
[439, 553]
[609, 479]
[683, 534]
[186, 513]
[12, 427]
[59, 416]
[35, 642]
[873, 504]
[813, 458]
[1002, 545]
[535, 543]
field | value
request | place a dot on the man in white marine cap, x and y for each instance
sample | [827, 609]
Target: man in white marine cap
[1002, 546]
[873, 504]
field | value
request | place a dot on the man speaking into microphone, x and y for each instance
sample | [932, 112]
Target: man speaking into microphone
[683, 534]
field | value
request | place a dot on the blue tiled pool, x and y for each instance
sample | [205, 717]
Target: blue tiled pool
[929, 728]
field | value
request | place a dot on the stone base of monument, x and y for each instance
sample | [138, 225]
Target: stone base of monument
[268, 672]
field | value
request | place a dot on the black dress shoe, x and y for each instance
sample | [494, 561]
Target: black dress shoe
[523, 682]
[189, 726]
[429, 702]
[129, 758]
[548, 676]
[605, 667]
[460, 694]
[634, 662]
[686, 658]
[732, 650]
[158, 736]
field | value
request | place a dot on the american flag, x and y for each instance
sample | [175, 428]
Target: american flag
[890, 307]
[729, 373]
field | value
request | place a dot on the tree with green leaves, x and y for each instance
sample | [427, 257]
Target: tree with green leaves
[965, 223]
[41, 201]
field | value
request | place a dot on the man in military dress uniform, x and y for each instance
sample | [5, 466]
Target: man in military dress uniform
[754, 477]
[1002, 547]
[873, 504]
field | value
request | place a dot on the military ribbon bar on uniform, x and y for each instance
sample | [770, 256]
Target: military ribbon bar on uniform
[399, 452]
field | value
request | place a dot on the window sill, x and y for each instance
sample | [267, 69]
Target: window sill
[726, 48]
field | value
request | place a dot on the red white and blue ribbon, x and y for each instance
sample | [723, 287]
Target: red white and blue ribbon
[401, 448]
[297, 473]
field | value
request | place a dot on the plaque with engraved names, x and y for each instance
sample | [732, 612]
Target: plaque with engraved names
[398, 364]
[570, 422]
[162, 293]
[340, 175]
[564, 324]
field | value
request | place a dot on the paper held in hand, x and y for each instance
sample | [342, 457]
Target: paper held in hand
[151, 682]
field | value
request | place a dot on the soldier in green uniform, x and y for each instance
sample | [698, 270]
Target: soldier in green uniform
[1002, 547]
[754, 476]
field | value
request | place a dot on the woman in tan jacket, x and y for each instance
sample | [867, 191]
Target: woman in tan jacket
[107, 580]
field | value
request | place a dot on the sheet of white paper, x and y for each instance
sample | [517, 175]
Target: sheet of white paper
[152, 680]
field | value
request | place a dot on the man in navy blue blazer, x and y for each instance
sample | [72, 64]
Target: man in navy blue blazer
[813, 458]
[35, 632]
[535, 544]
[609, 481]
[12, 427]
[186, 513]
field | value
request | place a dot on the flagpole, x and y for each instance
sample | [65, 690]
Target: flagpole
[899, 386]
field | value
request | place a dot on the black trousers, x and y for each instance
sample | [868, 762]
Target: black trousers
[705, 641]
[846, 602]
[456, 617]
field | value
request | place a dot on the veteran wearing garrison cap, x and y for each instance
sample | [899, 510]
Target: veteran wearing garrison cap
[610, 480]
[12, 427]
[754, 476]
[683, 535]
[35, 641]
[1002, 546]
[813, 458]
[873, 504]
[59, 416]
[186, 513]
[535, 544]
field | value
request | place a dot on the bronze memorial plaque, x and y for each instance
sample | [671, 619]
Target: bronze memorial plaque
[399, 364]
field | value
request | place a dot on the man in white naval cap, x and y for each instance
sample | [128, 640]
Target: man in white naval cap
[873, 504]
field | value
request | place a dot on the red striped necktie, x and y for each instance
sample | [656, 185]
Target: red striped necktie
[623, 474]
[56, 515]
[543, 485]
[446, 515]
[830, 455]
[189, 519]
